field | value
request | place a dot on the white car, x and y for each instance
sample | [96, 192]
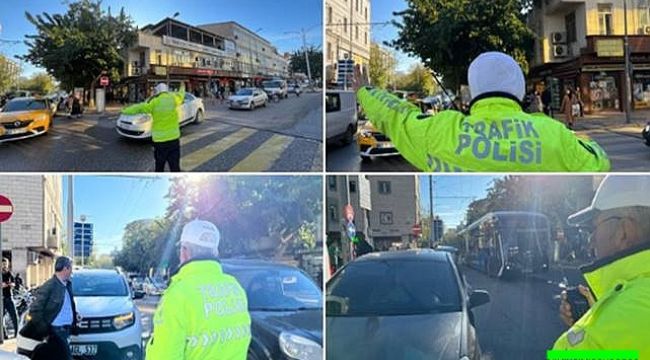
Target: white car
[4, 355]
[276, 87]
[110, 325]
[341, 116]
[248, 98]
[139, 126]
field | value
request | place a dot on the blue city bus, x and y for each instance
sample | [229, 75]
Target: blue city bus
[505, 243]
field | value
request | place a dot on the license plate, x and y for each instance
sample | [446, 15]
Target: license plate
[83, 350]
[384, 145]
[15, 131]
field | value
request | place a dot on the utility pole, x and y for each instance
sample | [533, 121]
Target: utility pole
[628, 87]
[70, 217]
[304, 46]
[432, 235]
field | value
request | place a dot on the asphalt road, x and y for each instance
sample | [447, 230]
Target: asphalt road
[283, 137]
[521, 321]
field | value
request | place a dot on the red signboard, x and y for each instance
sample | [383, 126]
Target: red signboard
[103, 81]
[6, 209]
[417, 230]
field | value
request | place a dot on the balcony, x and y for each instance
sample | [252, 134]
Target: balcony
[560, 6]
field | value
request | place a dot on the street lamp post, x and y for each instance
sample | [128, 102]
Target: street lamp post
[628, 87]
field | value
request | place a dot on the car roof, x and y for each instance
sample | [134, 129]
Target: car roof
[253, 263]
[96, 271]
[411, 254]
[338, 91]
[27, 98]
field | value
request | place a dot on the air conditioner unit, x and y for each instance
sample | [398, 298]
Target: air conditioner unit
[558, 38]
[560, 51]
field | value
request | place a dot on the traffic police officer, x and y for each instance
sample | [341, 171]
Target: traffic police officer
[203, 314]
[497, 136]
[619, 278]
[164, 108]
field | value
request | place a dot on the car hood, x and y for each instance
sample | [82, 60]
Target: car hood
[130, 118]
[430, 336]
[306, 323]
[101, 306]
[240, 98]
[21, 115]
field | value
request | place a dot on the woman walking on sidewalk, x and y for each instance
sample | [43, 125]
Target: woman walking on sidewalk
[567, 108]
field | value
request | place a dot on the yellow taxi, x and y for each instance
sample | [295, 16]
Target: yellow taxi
[25, 117]
[373, 143]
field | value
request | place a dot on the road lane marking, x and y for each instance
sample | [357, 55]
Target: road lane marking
[204, 154]
[264, 156]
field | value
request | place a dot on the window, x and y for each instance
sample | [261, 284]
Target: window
[367, 19]
[353, 186]
[345, 25]
[179, 32]
[331, 183]
[644, 17]
[386, 218]
[366, 38]
[332, 213]
[332, 104]
[356, 28]
[329, 51]
[329, 14]
[196, 37]
[570, 24]
[357, 6]
[384, 187]
[605, 19]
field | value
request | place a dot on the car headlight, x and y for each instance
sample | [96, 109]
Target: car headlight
[366, 133]
[647, 128]
[124, 320]
[140, 120]
[300, 348]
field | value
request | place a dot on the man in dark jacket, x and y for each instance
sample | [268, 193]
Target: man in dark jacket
[8, 284]
[53, 313]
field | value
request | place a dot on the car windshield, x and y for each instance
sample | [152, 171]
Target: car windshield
[272, 84]
[88, 284]
[25, 105]
[278, 289]
[244, 92]
[393, 287]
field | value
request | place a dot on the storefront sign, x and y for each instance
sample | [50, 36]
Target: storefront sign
[609, 47]
[160, 70]
[170, 41]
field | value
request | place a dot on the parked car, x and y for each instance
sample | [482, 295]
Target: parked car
[286, 309]
[248, 98]
[154, 287]
[110, 325]
[341, 116]
[25, 117]
[275, 87]
[373, 143]
[410, 304]
[139, 126]
[646, 134]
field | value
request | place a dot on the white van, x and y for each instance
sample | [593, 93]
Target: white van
[341, 116]
[275, 87]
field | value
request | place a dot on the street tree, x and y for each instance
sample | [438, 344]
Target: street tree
[40, 83]
[5, 76]
[447, 35]
[78, 46]
[382, 66]
[143, 243]
[418, 79]
[298, 63]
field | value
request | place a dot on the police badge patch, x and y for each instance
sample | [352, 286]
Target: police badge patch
[575, 337]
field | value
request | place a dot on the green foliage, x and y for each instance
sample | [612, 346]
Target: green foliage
[5, 77]
[77, 46]
[382, 67]
[419, 79]
[448, 34]
[298, 64]
[40, 83]
[143, 244]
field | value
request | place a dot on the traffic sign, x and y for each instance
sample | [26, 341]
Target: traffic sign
[104, 81]
[6, 209]
[417, 230]
[351, 230]
[348, 213]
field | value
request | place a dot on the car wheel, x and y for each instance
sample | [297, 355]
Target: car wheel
[348, 138]
[264, 103]
[198, 118]
[366, 159]
[251, 107]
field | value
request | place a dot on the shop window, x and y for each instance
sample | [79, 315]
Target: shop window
[605, 25]
[570, 25]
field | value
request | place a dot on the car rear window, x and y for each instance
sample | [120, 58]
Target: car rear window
[393, 287]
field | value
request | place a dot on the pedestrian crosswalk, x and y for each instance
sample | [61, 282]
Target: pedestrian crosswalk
[627, 153]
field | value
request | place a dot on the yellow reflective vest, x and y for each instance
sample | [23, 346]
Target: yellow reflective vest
[497, 136]
[202, 315]
[165, 112]
[620, 317]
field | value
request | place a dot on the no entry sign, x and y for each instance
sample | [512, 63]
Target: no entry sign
[6, 209]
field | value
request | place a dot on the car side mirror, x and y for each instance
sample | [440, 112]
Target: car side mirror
[478, 298]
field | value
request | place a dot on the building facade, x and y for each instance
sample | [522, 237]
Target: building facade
[205, 57]
[32, 239]
[12, 69]
[385, 210]
[581, 45]
[347, 35]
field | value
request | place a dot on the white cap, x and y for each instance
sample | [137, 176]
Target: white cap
[616, 191]
[496, 72]
[162, 87]
[201, 233]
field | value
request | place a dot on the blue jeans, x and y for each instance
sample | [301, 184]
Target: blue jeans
[60, 336]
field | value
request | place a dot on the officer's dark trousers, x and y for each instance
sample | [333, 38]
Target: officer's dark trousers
[10, 307]
[168, 152]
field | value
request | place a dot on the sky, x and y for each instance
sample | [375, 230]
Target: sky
[382, 12]
[452, 195]
[275, 20]
[111, 202]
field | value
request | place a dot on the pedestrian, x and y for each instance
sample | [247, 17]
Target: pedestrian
[8, 283]
[547, 102]
[618, 278]
[567, 108]
[201, 305]
[496, 136]
[53, 312]
[165, 130]
[19, 281]
[580, 102]
[76, 109]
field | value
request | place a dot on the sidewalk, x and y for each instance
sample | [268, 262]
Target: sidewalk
[9, 345]
[613, 121]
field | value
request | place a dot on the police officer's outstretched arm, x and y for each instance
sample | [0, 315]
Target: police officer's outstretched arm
[584, 155]
[179, 97]
[400, 121]
[169, 337]
[141, 108]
